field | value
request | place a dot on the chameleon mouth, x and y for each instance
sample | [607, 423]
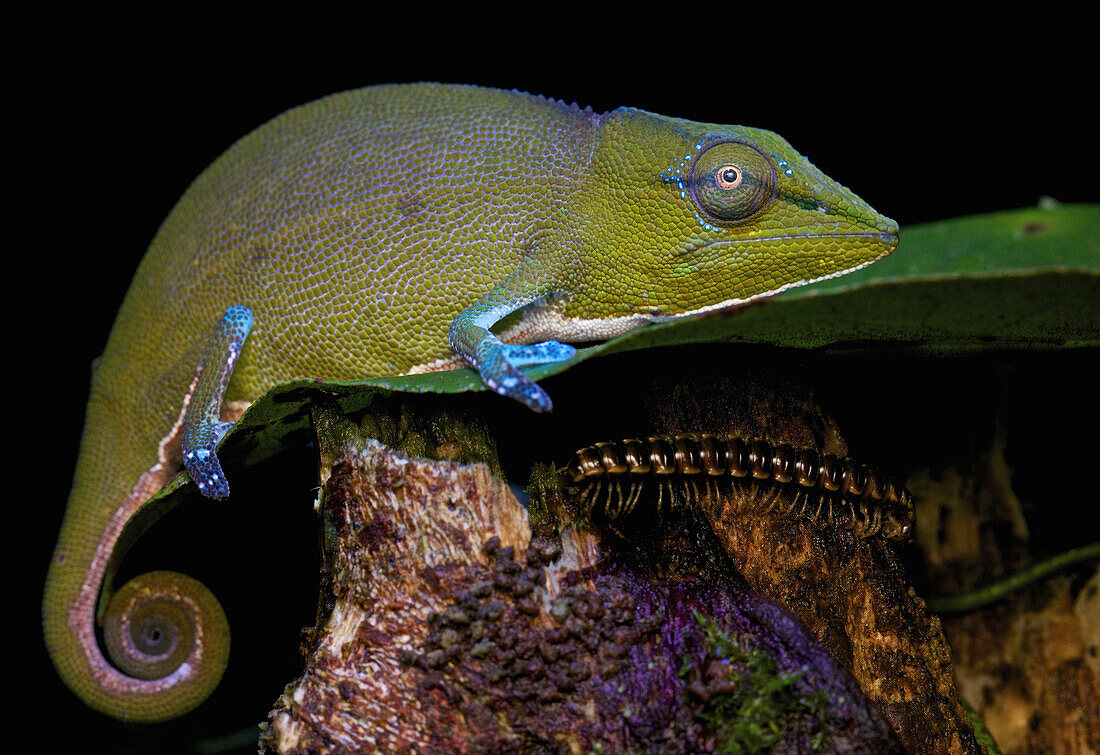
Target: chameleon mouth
[889, 240]
[735, 302]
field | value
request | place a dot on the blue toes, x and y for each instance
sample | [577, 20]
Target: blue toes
[498, 362]
[546, 352]
[206, 471]
[525, 391]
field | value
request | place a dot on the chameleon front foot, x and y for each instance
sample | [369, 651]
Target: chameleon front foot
[499, 373]
[546, 352]
[202, 426]
[498, 362]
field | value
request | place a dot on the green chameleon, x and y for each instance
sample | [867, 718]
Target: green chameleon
[385, 231]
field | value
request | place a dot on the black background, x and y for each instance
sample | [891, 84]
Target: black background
[924, 121]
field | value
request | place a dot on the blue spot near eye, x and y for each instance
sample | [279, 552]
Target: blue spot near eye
[788, 172]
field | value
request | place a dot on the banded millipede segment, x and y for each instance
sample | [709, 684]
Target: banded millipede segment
[804, 481]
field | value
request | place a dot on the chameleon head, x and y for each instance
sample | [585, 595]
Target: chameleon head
[685, 217]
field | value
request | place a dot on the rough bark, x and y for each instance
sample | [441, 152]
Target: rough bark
[441, 641]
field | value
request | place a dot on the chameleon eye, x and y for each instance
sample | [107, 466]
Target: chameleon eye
[728, 177]
[732, 182]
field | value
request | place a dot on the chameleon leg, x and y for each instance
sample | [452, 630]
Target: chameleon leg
[202, 425]
[497, 361]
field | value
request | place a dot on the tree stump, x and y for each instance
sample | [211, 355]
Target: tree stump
[462, 621]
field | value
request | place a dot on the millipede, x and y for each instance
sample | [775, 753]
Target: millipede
[803, 480]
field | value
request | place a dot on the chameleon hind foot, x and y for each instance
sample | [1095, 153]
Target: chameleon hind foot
[202, 425]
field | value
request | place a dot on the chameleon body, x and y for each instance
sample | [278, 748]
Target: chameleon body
[385, 231]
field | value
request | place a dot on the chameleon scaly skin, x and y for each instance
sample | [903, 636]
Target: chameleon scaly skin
[385, 231]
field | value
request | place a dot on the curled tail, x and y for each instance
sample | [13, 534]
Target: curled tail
[166, 636]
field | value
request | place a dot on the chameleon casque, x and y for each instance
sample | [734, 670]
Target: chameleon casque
[385, 231]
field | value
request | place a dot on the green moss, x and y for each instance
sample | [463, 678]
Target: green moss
[543, 484]
[429, 428]
[754, 714]
[981, 733]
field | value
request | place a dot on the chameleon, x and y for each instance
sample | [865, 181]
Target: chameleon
[394, 230]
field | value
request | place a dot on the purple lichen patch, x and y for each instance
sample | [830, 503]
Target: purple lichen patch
[625, 662]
